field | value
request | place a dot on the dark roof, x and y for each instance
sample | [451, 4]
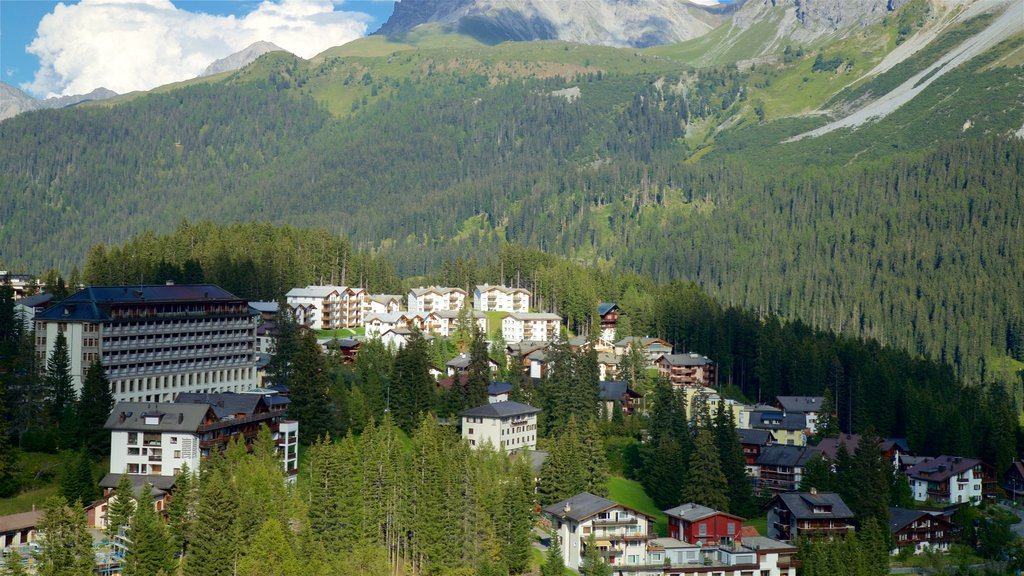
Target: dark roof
[583, 506]
[160, 484]
[224, 404]
[605, 307]
[460, 361]
[900, 518]
[750, 436]
[786, 420]
[830, 446]
[644, 341]
[496, 388]
[1017, 467]
[615, 389]
[782, 455]
[802, 504]
[692, 512]
[800, 403]
[500, 410]
[941, 468]
[688, 359]
[35, 300]
[264, 306]
[175, 417]
[344, 343]
[94, 303]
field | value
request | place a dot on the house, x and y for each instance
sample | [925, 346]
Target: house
[951, 479]
[607, 365]
[538, 364]
[919, 530]
[712, 400]
[696, 524]
[159, 496]
[809, 406]
[508, 426]
[813, 514]
[892, 449]
[395, 337]
[376, 324]
[609, 314]
[460, 364]
[266, 329]
[653, 348]
[753, 443]
[18, 529]
[29, 306]
[489, 298]
[673, 557]
[1014, 481]
[326, 307]
[542, 326]
[518, 353]
[689, 370]
[789, 428]
[21, 284]
[435, 299]
[618, 391]
[346, 348]
[446, 322]
[498, 392]
[620, 532]
[780, 468]
[155, 341]
[381, 304]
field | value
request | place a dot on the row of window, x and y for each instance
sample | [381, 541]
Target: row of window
[179, 380]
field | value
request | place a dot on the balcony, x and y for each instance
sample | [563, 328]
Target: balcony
[616, 522]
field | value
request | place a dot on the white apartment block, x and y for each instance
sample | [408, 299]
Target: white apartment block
[948, 479]
[500, 298]
[447, 321]
[537, 326]
[381, 304]
[508, 426]
[435, 299]
[377, 324]
[155, 341]
[327, 307]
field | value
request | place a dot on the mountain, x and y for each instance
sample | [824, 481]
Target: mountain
[241, 58]
[13, 101]
[634, 23]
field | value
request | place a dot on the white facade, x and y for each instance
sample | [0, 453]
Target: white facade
[508, 426]
[502, 299]
[447, 321]
[964, 487]
[542, 327]
[327, 307]
[153, 453]
[381, 304]
[622, 532]
[435, 299]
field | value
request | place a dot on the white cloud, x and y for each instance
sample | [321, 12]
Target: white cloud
[127, 45]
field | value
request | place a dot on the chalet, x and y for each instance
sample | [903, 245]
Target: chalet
[326, 307]
[18, 529]
[687, 370]
[381, 304]
[346, 348]
[609, 314]
[508, 426]
[1014, 481]
[809, 406]
[696, 524]
[489, 298]
[519, 352]
[608, 365]
[919, 530]
[951, 479]
[753, 443]
[460, 364]
[159, 495]
[813, 514]
[780, 468]
[789, 428]
[618, 391]
[892, 449]
[653, 348]
[621, 533]
[377, 324]
[542, 326]
[538, 360]
[435, 298]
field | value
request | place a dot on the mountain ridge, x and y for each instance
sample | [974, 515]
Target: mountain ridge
[14, 101]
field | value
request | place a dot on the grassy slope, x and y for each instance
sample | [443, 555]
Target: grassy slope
[631, 493]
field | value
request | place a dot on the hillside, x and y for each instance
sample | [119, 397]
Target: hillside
[435, 147]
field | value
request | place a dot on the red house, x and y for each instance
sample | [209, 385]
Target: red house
[696, 524]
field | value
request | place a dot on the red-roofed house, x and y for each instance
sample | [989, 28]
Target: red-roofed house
[696, 524]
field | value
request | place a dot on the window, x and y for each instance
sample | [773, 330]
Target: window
[731, 528]
[174, 439]
[133, 451]
[702, 530]
[133, 437]
[177, 453]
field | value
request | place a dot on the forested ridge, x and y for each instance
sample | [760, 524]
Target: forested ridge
[878, 233]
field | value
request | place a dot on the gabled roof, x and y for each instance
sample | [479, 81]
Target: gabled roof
[264, 307]
[644, 341]
[751, 436]
[692, 512]
[615, 389]
[802, 504]
[496, 388]
[941, 468]
[688, 359]
[488, 287]
[34, 300]
[314, 291]
[173, 417]
[775, 420]
[900, 518]
[20, 521]
[606, 307]
[538, 356]
[439, 290]
[783, 455]
[1016, 468]
[94, 303]
[224, 404]
[800, 403]
[160, 484]
[608, 358]
[500, 410]
[528, 316]
[454, 314]
[389, 317]
[385, 298]
[584, 505]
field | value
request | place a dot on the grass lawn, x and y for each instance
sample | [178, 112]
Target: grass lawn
[342, 332]
[24, 501]
[760, 522]
[39, 475]
[631, 493]
[494, 319]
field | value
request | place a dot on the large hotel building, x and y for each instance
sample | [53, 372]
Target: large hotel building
[155, 341]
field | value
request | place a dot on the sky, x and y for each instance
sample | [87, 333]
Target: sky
[50, 48]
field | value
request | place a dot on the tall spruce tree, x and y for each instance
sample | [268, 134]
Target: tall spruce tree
[120, 507]
[309, 389]
[818, 475]
[554, 564]
[828, 422]
[593, 564]
[595, 459]
[93, 409]
[150, 550]
[515, 521]
[60, 390]
[478, 374]
[734, 463]
[663, 471]
[217, 539]
[79, 483]
[270, 553]
[412, 388]
[182, 508]
[65, 545]
[872, 475]
[705, 484]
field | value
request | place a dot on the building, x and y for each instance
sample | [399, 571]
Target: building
[377, 324]
[1014, 481]
[460, 364]
[712, 399]
[326, 307]
[813, 514]
[613, 391]
[508, 426]
[789, 428]
[498, 392]
[155, 440]
[609, 314]
[445, 323]
[435, 299]
[653, 348]
[542, 326]
[620, 532]
[892, 449]
[160, 488]
[919, 530]
[689, 370]
[155, 341]
[696, 524]
[780, 468]
[753, 442]
[28, 307]
[489, 298]
[266, 329]
[381, 304]
[951, 480]
[347, 348]
[21, 284]
[809, 406]
[518, 353]
[18, 529]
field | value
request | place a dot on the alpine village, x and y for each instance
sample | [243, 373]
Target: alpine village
[528, 287]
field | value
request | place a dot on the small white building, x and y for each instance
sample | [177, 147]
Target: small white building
[948, 479]
[447, 321]
[435, 299]
[381, 304]
[508, 426]
[540, 326]
[501, 299]
[327, 307]
[621, 532]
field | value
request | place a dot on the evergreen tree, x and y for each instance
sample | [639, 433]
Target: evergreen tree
[60, 390]
[515, 521]
[668, 415]
[120, 507]
[270, 553]
[79, 484]
[93, 409]
[705, 484]
[818, 475]
[13, 565]
[875, 543]
[565, 472]
[733, 462]
[633, 367]
[182, 508]
[593, 564]
[662, 475]
[595, 459]
[286, 346]
[309, 389]
[554, 564]
[872, 476]
[412, 389]
[216, 541]
[828, 423]
[65, 545]
[478, 374]
[150, 549]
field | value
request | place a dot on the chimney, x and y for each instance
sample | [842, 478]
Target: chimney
[169, 283]
[567, 508]
[814, 491]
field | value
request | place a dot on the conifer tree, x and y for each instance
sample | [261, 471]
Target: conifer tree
[326, 482]
[412, 388]
[120, 507]
[60, 390]
[150, 549]
[734, 464]
[65, 545]
[515, 521]
[871, 480]
[478, 374]
[818, 475]
[593, 564]
[554, 564]
[309, 389]
[216, 541]
[705, 484]
[874, 543]
[663, 471]
[93, 409]
[595, 459]
[79, 484]
[13, 565]
[270, 553]
[182, 509]
[828, 423]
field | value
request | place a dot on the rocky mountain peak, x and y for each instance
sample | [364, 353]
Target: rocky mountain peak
[241, 58]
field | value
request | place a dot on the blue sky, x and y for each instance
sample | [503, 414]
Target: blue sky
[86, 31]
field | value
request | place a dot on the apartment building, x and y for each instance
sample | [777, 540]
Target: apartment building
[539, 326]
[687, 370]
[327, 307]
[814, 514]
[951, 480]
[447, 321]
[620, 532]
[435, 299]
[489, 298]
[508, 426]
[155, 341]
[381, 304]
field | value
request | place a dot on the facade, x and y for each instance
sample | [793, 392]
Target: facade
[813, 514]
[780, 468]
[266, 330]
[950, 480]
[498, 392]
[809, 406]
[435, 299]
[508, 426]
[489, 298]
[377, 324]
[696, 524]
[789, 428]
[326, 307]
[381, 304]
[620, 532]
[18, 529]
[609, 314]
[919, 530]
[618, 391]
[753, 442]
[460, 364]
[155, 341]
[689, 370]
[446, 322]
[653, 348]
[1014, 481]
[27, 308]
[542, 326]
